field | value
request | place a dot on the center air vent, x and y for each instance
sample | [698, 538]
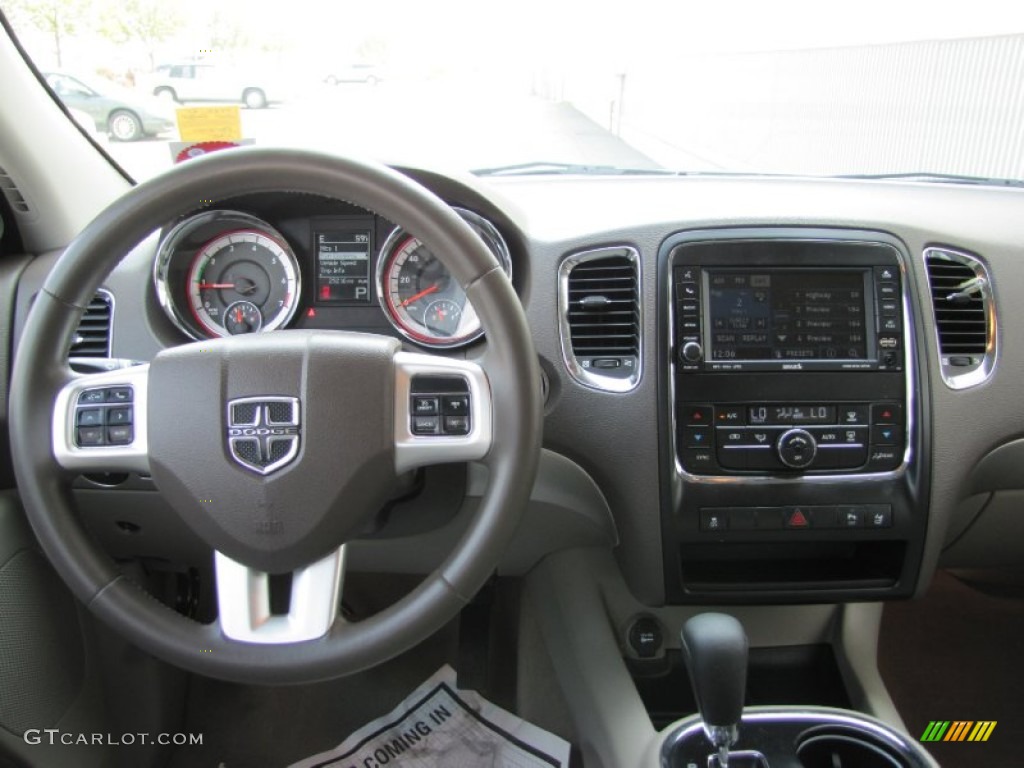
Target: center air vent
[600, 317]
[964, 312]
[92, 339]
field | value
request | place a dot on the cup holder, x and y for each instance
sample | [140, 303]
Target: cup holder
[845, 749]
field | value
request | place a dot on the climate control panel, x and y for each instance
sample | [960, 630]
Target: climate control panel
[727, 438]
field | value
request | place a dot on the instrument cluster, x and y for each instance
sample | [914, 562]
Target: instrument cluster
[230, 272]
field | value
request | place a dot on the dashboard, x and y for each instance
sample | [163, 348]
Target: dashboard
[767, 380]
[270, 263]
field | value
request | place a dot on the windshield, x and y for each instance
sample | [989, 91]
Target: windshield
[792, 87]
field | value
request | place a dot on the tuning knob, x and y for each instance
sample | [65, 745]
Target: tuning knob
[797, 448]
[691, 352]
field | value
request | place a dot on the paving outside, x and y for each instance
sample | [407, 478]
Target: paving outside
[444, 125]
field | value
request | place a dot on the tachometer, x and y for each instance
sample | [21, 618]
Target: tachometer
[420, 296]
[225, 273]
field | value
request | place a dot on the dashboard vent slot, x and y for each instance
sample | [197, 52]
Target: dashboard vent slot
[964, 312]
[10, 190]
[600, 317]
[92, 338]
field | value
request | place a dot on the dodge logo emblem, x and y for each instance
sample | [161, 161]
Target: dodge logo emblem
[263, 432]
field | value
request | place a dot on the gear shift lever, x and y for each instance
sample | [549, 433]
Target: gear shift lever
[715, 648]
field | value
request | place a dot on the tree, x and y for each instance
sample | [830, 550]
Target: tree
[58, 19]
[148, 22]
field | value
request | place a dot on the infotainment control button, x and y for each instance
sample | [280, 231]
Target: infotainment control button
[731, 415]
[691, 352]
[797, 448]
[698, 415]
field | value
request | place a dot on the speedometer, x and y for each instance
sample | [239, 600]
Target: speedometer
[226, 273]
[420, 296]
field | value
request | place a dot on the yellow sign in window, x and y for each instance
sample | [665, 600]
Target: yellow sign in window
[218, 123]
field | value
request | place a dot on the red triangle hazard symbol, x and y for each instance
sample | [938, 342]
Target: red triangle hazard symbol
[797, 520]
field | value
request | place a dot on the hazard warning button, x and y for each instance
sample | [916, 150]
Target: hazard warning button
[798, 517]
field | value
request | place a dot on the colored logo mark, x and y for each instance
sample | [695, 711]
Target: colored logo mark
[958, 730]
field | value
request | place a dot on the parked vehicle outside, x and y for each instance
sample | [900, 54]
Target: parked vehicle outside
[369, 74]
[117, 112]
[202, 81]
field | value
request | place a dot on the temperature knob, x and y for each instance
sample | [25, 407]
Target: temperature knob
[691, 352]
[797, 448]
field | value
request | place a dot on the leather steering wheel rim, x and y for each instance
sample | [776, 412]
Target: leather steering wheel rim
[40, 370]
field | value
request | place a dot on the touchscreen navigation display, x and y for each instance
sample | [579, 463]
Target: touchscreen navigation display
[787, 314]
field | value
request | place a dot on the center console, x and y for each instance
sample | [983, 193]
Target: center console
[792, 447]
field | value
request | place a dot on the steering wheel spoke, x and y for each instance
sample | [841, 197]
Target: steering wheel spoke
[99, 422]
[243, 600]
[442, 411]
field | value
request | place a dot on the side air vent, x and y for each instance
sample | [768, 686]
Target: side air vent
[92, 339]
[965, 320]
[10, 190]
[600, 317]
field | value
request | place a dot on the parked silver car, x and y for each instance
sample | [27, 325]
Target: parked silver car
[123, 115]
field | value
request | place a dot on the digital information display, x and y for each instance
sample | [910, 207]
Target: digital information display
[343, 266]
[787, 315]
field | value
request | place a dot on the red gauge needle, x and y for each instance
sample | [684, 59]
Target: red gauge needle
[204, 286]
[238, 315]
[420, 295]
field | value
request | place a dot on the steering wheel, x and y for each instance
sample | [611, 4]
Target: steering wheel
[274, 448]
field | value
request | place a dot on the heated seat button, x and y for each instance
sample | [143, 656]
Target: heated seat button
[118, 416]
[878, 515]
[88, 437]
[645, 637]
[122, 435]
[90, 417]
